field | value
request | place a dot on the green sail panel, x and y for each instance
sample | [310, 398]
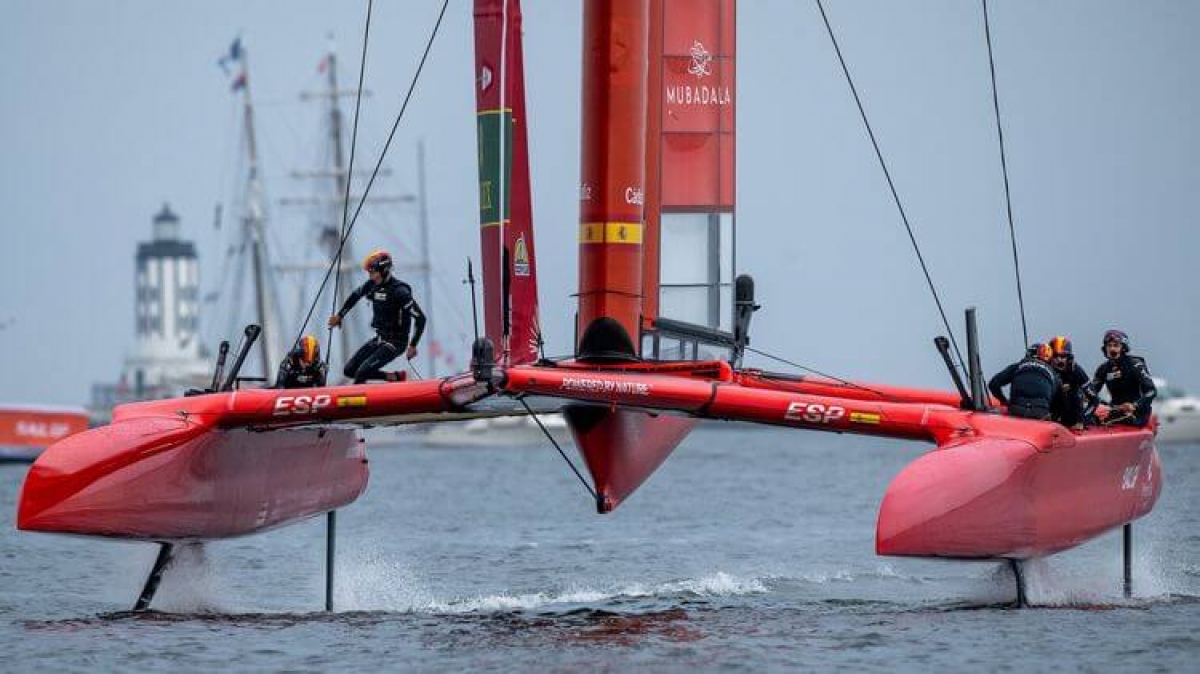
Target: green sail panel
[491, 123]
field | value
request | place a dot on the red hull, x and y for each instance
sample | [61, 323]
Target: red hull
[1015, 498]
[219, 465]
[161, 478]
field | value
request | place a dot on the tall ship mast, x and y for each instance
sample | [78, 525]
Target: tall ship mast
[254, 225]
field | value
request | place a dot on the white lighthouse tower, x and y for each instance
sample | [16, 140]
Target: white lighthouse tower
[167, 354]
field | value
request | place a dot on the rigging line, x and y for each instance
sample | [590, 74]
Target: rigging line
[891, 185]
[987, 30]
[798, 366]
[337, 260]
[561, 453]
[375, 172]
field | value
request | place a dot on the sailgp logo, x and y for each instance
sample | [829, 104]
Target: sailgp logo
[701, 60]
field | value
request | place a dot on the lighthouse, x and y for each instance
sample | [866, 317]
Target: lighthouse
[167, 353]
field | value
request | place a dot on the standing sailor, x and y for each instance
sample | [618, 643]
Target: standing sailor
[303, 367]
[1033, 385]
[1128, 380]
[395, 313]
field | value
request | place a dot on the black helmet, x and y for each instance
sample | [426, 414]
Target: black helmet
[1117, 336]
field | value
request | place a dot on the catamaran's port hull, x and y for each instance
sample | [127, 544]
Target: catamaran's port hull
[222, 464]
[159, 478]
[1006, 497]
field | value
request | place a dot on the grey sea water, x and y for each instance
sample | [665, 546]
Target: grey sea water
[748, 549]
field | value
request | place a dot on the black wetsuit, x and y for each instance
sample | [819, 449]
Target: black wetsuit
[395, 314]
[1128, 381]
[1033, 386]
[1074, 397]
[293, 374]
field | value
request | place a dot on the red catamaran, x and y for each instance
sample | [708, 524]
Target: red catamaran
[661, 327]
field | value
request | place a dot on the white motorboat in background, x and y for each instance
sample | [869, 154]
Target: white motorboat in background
[511, 431]
[1178, 414]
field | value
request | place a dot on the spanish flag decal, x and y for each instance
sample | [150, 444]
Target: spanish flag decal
[352, 401]
[865, 417]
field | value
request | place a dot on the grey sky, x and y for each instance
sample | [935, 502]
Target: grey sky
[111, 108]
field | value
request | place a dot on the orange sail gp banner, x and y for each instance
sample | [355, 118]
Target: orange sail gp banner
[690, 145]
[510, 305]
[38, 427]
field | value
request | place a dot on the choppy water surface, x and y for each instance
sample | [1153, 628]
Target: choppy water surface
[748, 549]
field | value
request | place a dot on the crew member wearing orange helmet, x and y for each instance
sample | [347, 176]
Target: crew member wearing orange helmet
[1032, 383]
[303, 367]
[395, 314]
[1074, 397]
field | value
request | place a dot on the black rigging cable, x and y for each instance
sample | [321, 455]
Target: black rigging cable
[560, 450]
[337, 260]
[839, 380]
[987, 31]
[895, 196]
[374, 172]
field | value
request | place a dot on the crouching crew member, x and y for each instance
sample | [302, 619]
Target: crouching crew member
[1033, 385]
[395, 314]
[302, 368]
[1128, 380]
[1074, 397]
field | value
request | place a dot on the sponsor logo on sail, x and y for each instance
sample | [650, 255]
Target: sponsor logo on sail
[699, 94]
[520, 257]
[686, 94]
[635, 196]
[701, 65]
[485, 78]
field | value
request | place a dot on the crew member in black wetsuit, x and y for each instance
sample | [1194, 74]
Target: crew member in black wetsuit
[1128, 380]
[1033, 385]
[395, 313]
[303, 367]
[1074, 396]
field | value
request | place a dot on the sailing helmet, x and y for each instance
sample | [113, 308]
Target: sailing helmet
[308, 350]
[1117, 336]
[1044, 352]
[1034, 349]
[378, 260]
[1061, 346]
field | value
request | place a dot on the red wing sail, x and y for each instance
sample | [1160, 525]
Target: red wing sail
[690, 161]
[505, 211]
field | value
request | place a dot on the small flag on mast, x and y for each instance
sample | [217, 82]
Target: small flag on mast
[230, 58]
[234, 55]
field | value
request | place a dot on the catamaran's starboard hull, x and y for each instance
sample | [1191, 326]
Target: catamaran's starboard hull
[1016, 498]
[164, 478]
